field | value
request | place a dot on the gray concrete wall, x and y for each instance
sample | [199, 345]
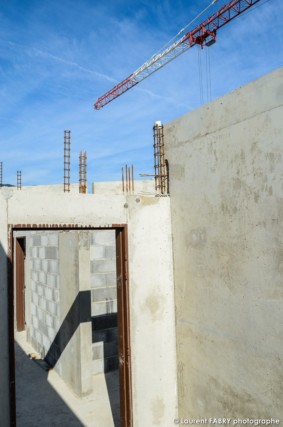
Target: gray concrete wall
[152, 325]
[226, 190]
[152, 312]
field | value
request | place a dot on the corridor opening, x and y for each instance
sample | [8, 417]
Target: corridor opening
[99, 307]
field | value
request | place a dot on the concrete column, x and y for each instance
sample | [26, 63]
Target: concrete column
[75, 306]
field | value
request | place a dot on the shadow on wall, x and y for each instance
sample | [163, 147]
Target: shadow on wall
[38, 404]
[80, 312]
[7, 342]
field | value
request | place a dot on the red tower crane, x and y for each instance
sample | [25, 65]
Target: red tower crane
[203, 34]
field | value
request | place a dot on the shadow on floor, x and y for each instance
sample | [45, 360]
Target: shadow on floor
[37, 403]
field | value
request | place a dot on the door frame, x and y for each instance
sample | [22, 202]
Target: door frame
[20, 283]
[123, 309]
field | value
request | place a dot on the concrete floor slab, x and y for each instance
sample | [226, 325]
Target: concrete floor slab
[42, 398]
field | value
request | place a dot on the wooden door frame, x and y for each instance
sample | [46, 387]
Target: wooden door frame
[123, 309]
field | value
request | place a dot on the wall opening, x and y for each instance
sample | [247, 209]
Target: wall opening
[99, 306]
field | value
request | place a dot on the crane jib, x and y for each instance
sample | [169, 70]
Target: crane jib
[203, 34]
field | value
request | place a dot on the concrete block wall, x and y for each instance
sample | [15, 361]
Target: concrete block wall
[104, 300]
[44, 320]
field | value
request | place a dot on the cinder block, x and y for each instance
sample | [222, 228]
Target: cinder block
[42, 277]
[104, 237]
[48, 292]
[97, 252]
[103, 307]
[98, 280]
[111, 279]
[44, 264]
[36, 264]
[51, 333]
[51, 280]
[35, 322]
[38, 337]
[53, 266]
[56, 295]
[56, 323]
[35, 299]
[44, 240]
[49, 320]
[98, 366]
[97, 350]
[46, 343]
[34, 276]
[110, 349]
[52, 308]
[103, 266]
[34, 252]
[42, 304]
[100, 294]
[41, 253]
[43, 328]
[36, 240]
[40, 314]
[32, 309]
[111, 363]
[32, 285]
[110, 253]
[39, 290]
[53, 239]
[51, 252]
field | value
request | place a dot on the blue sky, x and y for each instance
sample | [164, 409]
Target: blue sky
[58, 57]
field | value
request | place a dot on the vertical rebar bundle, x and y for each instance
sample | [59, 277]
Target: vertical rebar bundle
[83, 174]
[19, 180]
[1, 173]
[67, 159]
[128, 181]
[160, 170]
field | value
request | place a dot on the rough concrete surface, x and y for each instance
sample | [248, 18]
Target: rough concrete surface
[44, 400]
[225, 163]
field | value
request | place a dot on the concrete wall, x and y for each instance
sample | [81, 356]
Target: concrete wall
[226, 191]
[152, 312]
[150, 277]
[142, 187]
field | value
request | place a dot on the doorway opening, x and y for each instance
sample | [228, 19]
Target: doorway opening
[104, 306]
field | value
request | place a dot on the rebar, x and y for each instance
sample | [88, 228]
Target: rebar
[123, 181]
[160, 170]
[19, 180]
[128, 184]
[67, 160]
[83, 173]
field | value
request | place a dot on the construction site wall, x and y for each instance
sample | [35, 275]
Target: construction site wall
[225, 162]
[150, 281]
